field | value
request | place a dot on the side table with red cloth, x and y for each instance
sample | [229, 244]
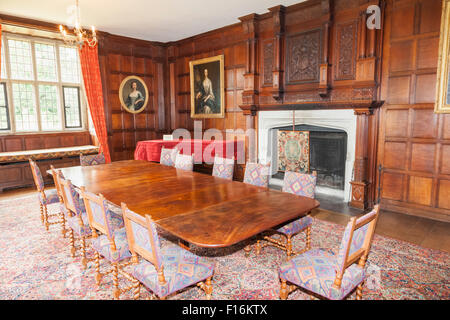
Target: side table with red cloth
[150, 150]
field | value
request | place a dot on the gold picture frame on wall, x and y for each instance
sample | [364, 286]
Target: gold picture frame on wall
[443, 72]
[133, 94]
[207, 87]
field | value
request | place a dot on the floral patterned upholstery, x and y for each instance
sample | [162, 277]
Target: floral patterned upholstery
[51, 196]
[296, 226]
[184, 162]
[181, 269]
[223, 168]
[314, 270]
[257, 174]
[300, 184]
[92, 159]
[74, 224]
[74, 199]
[102, 245]
[168, 156]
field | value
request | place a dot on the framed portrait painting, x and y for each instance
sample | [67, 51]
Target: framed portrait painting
[133, 94]
[293, 151]
[207, 87]
[443, 73]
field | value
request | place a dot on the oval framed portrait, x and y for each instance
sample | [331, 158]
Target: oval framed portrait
[133, 94]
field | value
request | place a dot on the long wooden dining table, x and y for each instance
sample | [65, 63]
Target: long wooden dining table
[200, 209]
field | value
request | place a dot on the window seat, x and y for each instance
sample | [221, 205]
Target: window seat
[41, 154]
[15, 170]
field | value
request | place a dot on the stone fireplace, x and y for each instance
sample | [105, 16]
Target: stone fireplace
[332, 145]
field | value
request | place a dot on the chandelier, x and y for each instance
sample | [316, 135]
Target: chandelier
[80, 36]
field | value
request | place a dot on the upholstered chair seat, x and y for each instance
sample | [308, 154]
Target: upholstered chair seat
[82, 230]
[92, 159]
[103, 246]
[51, 197]
[181, 269]
[168, 156]
[223, 168]
[315, 271]
[296, 226]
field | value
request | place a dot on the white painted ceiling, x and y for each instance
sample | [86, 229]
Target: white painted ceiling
[156, 20]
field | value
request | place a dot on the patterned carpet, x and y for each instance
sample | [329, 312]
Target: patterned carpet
[36, 264]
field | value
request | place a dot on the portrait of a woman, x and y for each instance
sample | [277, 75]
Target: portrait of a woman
[207, 87]
[133, 94]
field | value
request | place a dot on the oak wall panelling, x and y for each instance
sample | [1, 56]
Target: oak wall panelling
[413, 143]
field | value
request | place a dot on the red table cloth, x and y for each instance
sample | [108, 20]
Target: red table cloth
[150, 150]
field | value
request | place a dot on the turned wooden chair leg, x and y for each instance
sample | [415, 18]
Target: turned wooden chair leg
[98, 275]
[42, 213]
[359, 291]
[258, 247]
[208, 288]
[83, 251]
[247, 250]
[72, 244]
[288, 246]
[137, 290]
[283, 290]
[116, 291]
[308, 238]
[46, 218]
[63, 225]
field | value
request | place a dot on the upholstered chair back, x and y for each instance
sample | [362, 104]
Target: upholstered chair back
[184, 162]
[99, 216]
[37, 176]
[356, 242]
[257, 174]
[58, 187]
[143, 238]
[168, 156]
[71, 198]
[223, 168]
[92, 159]
[301, 184]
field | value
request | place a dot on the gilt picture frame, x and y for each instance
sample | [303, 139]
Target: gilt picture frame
[207, 87]
[133, 94]
[442, 104]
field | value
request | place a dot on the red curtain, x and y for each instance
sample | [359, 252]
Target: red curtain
[94, 92]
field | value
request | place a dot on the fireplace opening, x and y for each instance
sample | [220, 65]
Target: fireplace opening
[328, 152]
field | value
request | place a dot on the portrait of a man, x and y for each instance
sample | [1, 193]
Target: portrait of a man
[133, 94]
[207, 89]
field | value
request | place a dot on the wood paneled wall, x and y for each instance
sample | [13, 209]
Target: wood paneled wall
[120, 57]
[414, 143]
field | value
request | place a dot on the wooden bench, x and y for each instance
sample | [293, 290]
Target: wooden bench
[15, 169]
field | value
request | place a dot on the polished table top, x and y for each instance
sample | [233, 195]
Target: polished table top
[198, 208]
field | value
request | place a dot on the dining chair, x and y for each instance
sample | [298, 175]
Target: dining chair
[300, 184]
[168, 156]
[331, 276]
[109, 239]
[162, 270]
[223, 168]
[46, 197]
[59, 191]
[257, 174]
[92, 159]
[77, 219]
[184, 162]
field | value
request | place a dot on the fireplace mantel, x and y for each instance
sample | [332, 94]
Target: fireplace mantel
[361, 105]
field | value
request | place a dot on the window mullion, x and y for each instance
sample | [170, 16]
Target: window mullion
[9, 92]
[60, 89]
[36, 86]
